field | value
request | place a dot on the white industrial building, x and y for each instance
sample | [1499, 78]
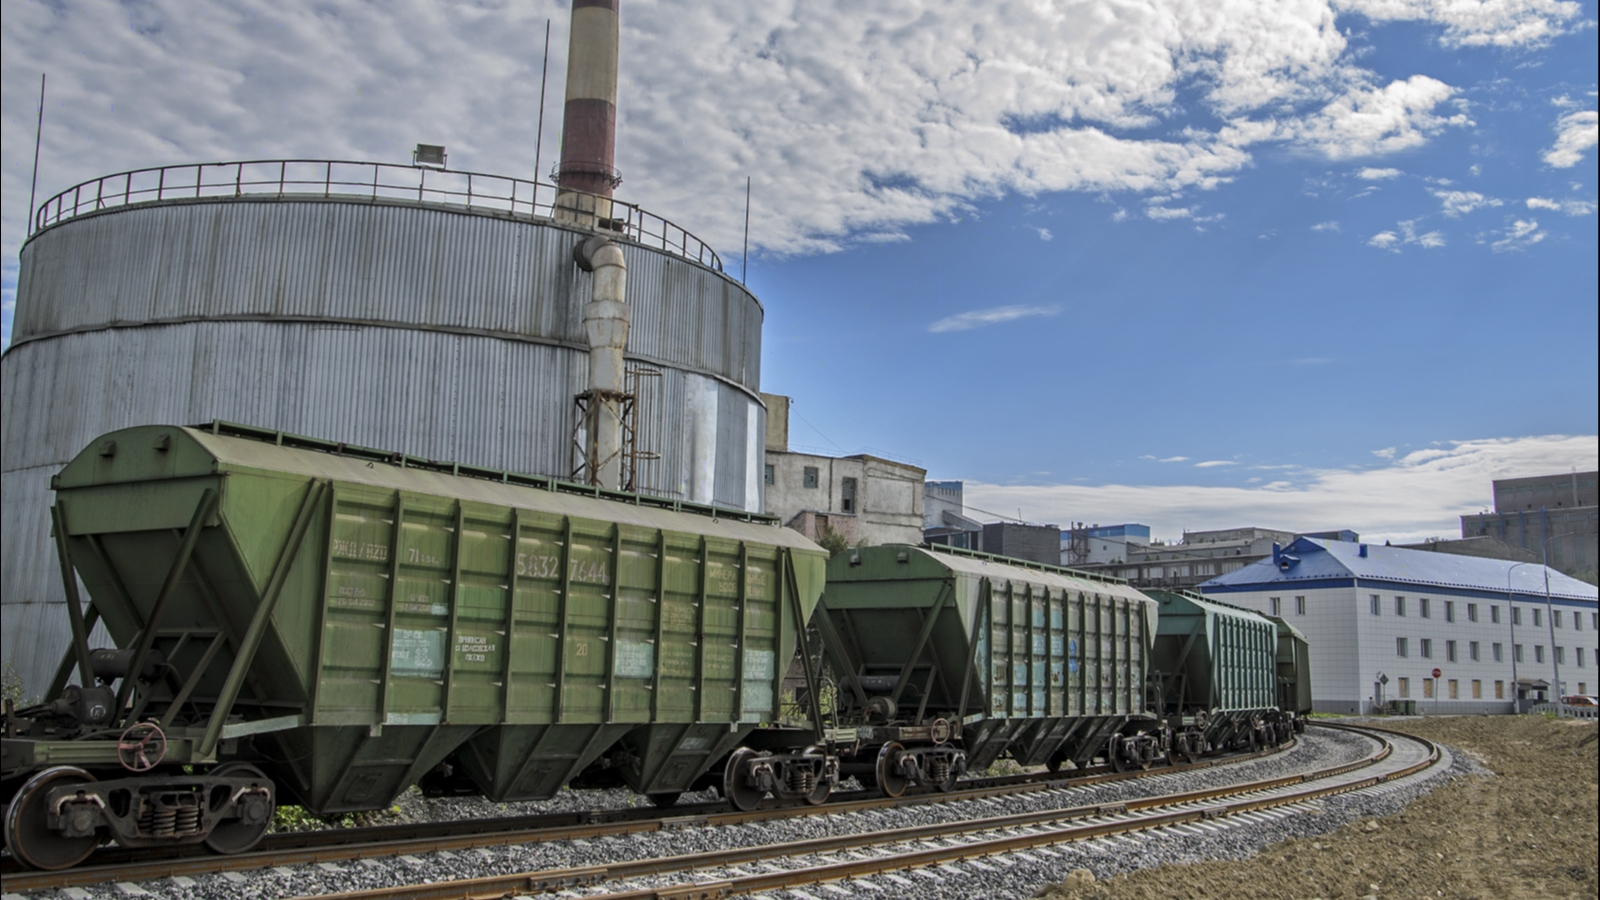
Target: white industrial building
[1382, 621]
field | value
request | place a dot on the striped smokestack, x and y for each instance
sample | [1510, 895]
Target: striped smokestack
[589, 122]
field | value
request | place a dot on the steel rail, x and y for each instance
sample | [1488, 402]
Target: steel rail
[1186, 811]
[340, 844]
[361, 180]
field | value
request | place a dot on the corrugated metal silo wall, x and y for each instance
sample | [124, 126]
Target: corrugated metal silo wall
[438, 333]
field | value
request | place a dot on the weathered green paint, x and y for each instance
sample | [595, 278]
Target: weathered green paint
[525, 627]
[1019, 650]
[1294, 667]
[1229, 664]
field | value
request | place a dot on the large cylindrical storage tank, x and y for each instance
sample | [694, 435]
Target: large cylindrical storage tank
[446, 327]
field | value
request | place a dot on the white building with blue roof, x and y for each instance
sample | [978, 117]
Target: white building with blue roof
[1382, 621]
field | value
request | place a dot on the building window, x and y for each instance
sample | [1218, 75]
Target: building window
[1516, 617]
[1499, 690]
[847, 495]
[1299, 607]
[1592, 626]
[1427, 648]
[1537, 617]
[1399, 606]
[1427, 607]
[1427, 688]
[1477, 689]
[1577, 622]
[1374, 607]
[1538, 653]
[1405, 687]
[1450, 651]
[1516, 653]
[1494, 615]
[768, 475]
[1472, 612]
[1555, 619]
[1454, 688]
[1449, 610]
[1561, 656]
[1273, 603]
[1499, 652]
[810, 479]
[1472, 651]
[1400, 648]
[1580, 660]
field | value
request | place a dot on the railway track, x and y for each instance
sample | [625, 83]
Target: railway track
[334, 845]
[887, 854]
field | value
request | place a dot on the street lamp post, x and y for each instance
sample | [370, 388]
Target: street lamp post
[1511, 617]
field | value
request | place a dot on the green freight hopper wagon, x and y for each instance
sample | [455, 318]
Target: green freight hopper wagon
[1214, 676]
[340, 623]
[946, 660]
[1294, 672]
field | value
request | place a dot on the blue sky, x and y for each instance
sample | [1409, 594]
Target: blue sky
[1324, 264]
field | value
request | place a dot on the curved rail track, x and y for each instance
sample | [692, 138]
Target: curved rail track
[717, 873]
[885, 853]
[115, 864]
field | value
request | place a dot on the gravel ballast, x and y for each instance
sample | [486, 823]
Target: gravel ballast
[1015, 875]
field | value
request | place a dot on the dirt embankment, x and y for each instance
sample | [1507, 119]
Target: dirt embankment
[1528, 831]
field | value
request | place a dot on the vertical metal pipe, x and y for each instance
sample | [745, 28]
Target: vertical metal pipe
[587, 174]
[606, 320]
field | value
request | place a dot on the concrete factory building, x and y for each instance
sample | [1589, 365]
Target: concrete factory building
[448, 315]
[1554, 514]
[1442, 632]
[866, 499]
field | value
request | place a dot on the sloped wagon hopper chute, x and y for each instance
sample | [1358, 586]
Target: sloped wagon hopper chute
[299, 620]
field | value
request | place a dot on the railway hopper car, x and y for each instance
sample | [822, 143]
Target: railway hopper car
[299, 618]
[1214, 676]
[946, 660]
[1294, 673]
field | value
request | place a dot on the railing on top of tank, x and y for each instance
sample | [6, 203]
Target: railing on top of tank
[370, 181]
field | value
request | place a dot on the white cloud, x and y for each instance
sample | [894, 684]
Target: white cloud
[1044, 233]
[1389, 240]
[1371, 174]
[1410, 498]
[1570, 207]
[1163, 213]
[1385, 453]
[1577, 132]
[1457, 203]
[978, 318]
[1174, 459]
[854, 121]
[1214, 463]
[1367, 120]
[1522, 234]
[1326, 226]
[1500, 23]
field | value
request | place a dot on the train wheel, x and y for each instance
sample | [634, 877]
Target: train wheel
[1114, 754]
[665, 799]
[890, 781]
[31, 842]
[743, 797]
[255, 816]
